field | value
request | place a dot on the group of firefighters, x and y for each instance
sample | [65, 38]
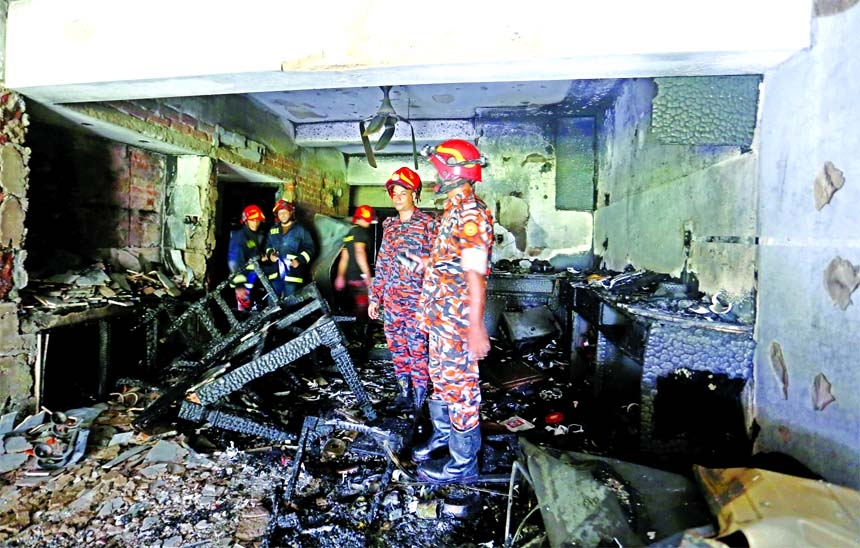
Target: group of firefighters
[430, 285]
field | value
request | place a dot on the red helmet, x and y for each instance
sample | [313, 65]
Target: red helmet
[252, 213]
[283, 204]
[406, 178]
[365, 213]
[456, 159]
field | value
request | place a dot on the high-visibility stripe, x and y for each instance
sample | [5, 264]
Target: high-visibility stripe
[292, 279]
[273, 276]
[348, 238]
[307, 256]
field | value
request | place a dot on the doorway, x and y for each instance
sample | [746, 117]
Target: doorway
[233, 197]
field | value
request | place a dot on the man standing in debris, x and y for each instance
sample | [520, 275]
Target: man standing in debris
[246, 243]
[397, 285]
[353, 268]
[451, 310]
[290, 248]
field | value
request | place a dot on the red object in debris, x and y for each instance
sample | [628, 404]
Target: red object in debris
[554, 418]
[6, 282]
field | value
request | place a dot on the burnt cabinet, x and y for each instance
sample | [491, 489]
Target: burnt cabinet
[641, 351]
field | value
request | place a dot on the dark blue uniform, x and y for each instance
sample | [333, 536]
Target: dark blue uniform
[294, 244]
[244, 246]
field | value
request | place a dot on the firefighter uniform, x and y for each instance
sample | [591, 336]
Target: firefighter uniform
[397, 286]
[296, 244]
[465, 230]
[245, 244]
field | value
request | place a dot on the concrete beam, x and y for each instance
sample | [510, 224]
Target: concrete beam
[68, 50]
[346, 137]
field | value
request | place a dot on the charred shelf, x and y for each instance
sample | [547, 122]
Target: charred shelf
[34, 321]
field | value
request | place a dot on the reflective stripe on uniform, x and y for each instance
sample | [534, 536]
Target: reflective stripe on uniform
[293, 279]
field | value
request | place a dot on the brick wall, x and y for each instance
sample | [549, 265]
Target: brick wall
[316, 187]
[17, 352]
[101, 194]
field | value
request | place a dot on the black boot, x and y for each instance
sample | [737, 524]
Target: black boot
[441, 431]
[462, 467]
[403, 400]
[420, 422]
[418, 393]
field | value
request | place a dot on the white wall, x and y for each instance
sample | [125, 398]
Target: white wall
[810, 115]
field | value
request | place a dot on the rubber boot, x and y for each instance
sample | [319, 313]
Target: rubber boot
[462, 466]
[403, 400]
[441, 431]
[420, 423]
[418, 393]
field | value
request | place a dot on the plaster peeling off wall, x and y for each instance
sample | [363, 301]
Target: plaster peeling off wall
[190, 218]
[16, 351]
[809, 252]
[649, 194]
[520, 187]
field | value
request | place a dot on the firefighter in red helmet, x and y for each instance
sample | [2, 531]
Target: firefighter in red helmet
[353, 269]
[246, 243]
[396, 286]
[451, 310]
[290, 248]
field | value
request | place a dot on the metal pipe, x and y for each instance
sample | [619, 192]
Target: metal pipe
[517, 467]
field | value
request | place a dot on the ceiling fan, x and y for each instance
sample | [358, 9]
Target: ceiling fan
[385, 120]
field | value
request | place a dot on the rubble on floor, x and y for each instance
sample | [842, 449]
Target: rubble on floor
[183, 484]
[270, 434]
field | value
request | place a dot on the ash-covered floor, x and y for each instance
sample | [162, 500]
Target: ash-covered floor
[182, 484]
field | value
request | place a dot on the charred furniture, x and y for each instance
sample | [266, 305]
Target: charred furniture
[686, 374]
[224, 361]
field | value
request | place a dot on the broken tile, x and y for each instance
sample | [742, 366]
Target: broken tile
[166, 451]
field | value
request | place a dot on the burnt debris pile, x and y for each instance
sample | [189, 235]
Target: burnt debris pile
[272, 429]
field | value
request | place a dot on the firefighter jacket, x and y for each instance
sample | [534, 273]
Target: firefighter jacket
[296, 243]
[244, 246]
[464, 241]
[396, 283]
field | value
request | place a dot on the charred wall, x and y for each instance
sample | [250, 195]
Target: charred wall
[90, 196]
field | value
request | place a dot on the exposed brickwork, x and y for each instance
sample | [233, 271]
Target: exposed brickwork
[17, 352]
[146, 181]
[7, 280]
[316, 192]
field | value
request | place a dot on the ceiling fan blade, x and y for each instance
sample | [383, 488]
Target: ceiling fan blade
[414, 147]
[368, 150]
[390, 126]
[375, 124]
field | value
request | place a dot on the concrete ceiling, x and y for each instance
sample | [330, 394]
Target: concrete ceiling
[318, 67]
[329, 117]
